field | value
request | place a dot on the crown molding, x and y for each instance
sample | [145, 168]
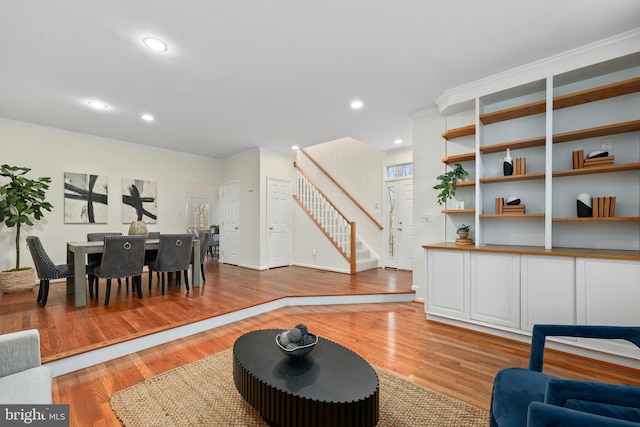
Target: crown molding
[603, 50]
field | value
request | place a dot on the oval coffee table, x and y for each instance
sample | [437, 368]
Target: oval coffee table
[331, 386]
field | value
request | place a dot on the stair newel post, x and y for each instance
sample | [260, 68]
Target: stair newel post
[353, 247]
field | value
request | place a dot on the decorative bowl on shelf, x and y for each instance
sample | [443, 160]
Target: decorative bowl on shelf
[299, 351]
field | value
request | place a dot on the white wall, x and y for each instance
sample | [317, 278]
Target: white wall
[51, 152]
[428, 151]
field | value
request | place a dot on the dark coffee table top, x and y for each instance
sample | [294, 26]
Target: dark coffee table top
[329, 377]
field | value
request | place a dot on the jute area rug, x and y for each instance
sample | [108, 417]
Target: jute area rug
[202, 393]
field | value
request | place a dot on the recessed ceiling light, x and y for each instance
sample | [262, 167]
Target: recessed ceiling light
[147, 117]
[155, 44]
[397, 141]
[357, 104]
[97, 105]
[294, 147]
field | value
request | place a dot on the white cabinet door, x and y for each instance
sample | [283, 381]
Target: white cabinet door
[495, 288]
[607, 293]
[548, 287]
[448, 283]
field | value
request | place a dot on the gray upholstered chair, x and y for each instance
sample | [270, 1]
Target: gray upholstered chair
[93, 261]
[214, 241]
[122, 256]
[47, 270]
[151, 255]
[174, 255]
[23, 380]
[203, 237]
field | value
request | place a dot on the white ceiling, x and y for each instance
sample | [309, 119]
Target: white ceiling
[271, 73]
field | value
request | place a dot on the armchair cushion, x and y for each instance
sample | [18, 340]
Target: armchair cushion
[546, 415]
[22, 378]
[513, 390]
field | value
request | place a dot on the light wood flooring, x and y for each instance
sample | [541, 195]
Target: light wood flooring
[395, 336]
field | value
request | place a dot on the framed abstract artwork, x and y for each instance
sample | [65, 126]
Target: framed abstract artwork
[139, 201]
[85, 198]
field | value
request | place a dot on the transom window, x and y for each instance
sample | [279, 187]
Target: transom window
[404, 170]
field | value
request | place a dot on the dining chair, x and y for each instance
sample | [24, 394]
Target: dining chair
[214, 241]
[47, 270]
[122, 256]
[93, 260]
[174, 255]
[530, 397]
[203, 237]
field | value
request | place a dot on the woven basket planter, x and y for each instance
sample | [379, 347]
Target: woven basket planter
[12, 282]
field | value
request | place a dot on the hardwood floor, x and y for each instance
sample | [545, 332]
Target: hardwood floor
[395, 336]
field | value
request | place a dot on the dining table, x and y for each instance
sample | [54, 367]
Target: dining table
[77, 255]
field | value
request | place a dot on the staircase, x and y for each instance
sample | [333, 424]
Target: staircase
[334, 224]
[365, 260]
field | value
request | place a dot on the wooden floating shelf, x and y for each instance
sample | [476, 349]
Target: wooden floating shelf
[459, 132]
[614, 129]
[597, 169]
[570, 100]
[514, 145]
[598, 93]
[592, 219]
[456, 158]
[525, 177]
[526, 215]
[514, 113]
[465, 184]
[458, 211]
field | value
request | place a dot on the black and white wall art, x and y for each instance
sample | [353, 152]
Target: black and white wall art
[139, 201]
[85, 198]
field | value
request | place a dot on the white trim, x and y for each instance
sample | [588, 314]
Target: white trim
[600, 51]
[84, 360]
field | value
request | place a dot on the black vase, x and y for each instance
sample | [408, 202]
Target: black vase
[507, 164]
[584, 205]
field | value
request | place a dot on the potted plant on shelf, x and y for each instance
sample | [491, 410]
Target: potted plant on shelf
[448, 182]
[22, 200]
[463, 231]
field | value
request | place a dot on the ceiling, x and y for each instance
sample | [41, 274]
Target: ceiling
[255, 73]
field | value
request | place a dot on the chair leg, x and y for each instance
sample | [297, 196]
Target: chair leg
[40, 291]
[138, 281]
[202, 272]
[45, 295]
[186, 279]
[162, 283]
[106, 298]
[150, 278]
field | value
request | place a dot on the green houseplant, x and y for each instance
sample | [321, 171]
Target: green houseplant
[22, 200]
[448, 181]
[463, 231]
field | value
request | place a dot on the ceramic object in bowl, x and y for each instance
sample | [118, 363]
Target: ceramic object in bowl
[299, 351]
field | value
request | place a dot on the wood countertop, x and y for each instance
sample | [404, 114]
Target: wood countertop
[539, 250]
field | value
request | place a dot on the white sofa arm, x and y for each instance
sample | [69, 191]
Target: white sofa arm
[19, 351]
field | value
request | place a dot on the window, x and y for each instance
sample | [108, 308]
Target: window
[400, 171]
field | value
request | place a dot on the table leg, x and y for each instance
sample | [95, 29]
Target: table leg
[195, 267]
[79, 276]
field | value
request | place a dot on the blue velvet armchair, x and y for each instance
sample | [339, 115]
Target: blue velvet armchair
[529, 397]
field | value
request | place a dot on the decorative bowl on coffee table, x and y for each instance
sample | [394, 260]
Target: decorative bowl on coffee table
[299, 351]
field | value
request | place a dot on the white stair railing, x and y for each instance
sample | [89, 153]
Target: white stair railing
[334, 224]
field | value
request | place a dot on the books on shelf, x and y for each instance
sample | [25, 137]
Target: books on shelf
[502, 209]
[603, 207]
[520, 166]
[599, 161]
[579, 162]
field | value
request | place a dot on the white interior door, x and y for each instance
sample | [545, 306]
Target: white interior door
[230, 223]
[278, 222]
[399, 224]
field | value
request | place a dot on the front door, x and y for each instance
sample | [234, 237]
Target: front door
[230, 223]
[399, 224]
[278, 222]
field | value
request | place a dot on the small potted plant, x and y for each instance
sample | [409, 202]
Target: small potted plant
[463, 231]
[22, 200]
[448, 182]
